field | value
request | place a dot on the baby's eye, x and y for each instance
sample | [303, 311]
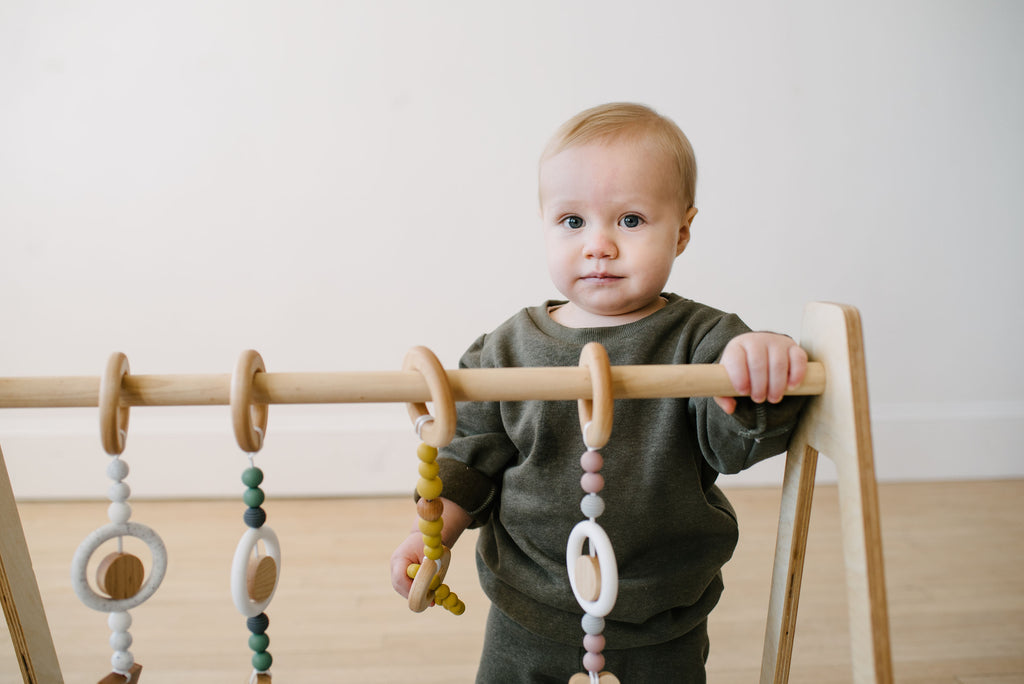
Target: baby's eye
[574, 222]
[631, 221]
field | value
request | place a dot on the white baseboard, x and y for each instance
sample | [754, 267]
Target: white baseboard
[317, 452]
[921, 442]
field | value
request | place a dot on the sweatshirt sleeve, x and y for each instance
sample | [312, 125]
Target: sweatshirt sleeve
[754, 432]
[471, 466]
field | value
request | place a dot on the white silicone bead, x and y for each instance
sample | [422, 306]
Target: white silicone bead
[119, 622]
[119, 512]
[117, 470]
[122, 661]
[119, 492]
[120, 641]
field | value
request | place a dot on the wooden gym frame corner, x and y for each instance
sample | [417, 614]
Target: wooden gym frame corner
[835, 422]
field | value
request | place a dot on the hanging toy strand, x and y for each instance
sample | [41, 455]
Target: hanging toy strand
[254, 577]
[120, 576]
[428, 576]
[594, 577]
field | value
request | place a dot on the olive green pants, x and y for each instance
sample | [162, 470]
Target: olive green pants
[514, 655]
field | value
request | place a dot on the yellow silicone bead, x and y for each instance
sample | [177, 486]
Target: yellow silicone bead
[432, 541]
[458, 609]
[441, 593]
[429, 489]
[433, 552]
[435, 583]
[431, 527]
[426, 453]
[451, 601]
[429, 470]
[412, 570]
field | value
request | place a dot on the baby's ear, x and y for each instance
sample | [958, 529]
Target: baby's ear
[684, 230]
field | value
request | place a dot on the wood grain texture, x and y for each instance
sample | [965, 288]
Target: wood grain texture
[837, 424]
[34, 659]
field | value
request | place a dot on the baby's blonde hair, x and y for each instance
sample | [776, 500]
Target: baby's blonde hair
[631, 121]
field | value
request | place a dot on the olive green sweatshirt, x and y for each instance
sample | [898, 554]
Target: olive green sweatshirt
[515, 467]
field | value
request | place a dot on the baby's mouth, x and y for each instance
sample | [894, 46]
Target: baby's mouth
[601, 277]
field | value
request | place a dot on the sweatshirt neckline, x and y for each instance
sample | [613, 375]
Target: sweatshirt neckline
[550, 327]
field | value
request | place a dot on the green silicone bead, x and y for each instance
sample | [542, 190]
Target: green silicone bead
[258, 642]
[253, 497]
[261, 661]
[252, 477]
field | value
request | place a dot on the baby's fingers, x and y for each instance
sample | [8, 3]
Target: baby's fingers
[759, 366]
[400, 579]
[779, 373]
[797, 366]
[727, 404]
[403, 556]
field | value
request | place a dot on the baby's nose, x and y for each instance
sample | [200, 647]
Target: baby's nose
[600, 246]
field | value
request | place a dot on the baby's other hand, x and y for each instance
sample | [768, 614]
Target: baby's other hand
[763, 366]
[407, 553]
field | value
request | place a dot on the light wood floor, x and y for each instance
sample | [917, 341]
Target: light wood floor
[954, 557]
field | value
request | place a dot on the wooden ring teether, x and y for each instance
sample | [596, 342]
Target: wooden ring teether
[113, 416]
[248, 419]
[441, 429]
[596, 412]
[420, 596]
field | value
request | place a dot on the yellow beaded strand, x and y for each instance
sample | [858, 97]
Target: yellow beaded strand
[431, 509]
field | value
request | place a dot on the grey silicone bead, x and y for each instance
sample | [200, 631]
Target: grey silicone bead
[592, 505]
[592, 624]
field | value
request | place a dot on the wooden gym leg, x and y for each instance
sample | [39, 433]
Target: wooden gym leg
[19, 594]
[790, 550]
[837, 424]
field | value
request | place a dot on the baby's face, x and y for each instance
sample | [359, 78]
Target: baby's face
[613, 226]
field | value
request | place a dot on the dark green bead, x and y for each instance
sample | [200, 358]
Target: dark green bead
[261, 661]
[259, 642]
[252, 477]
[254, 517]
[253, 497]
[258, 624]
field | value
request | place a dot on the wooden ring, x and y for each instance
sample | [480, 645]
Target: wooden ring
[249, 419]
[596, 413]
[420, 595]
[113, 416]
[440, 431]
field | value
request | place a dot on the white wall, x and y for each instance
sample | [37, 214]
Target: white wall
[331, 183]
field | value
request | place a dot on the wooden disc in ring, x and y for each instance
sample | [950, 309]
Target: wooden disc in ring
[261, 578]
[588, 577]
[120, 575]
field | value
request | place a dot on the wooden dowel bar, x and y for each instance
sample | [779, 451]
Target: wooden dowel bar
[476, 384]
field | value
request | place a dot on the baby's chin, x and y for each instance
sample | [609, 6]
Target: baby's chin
[578, 316]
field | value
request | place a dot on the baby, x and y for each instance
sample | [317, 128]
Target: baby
[617, 185]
